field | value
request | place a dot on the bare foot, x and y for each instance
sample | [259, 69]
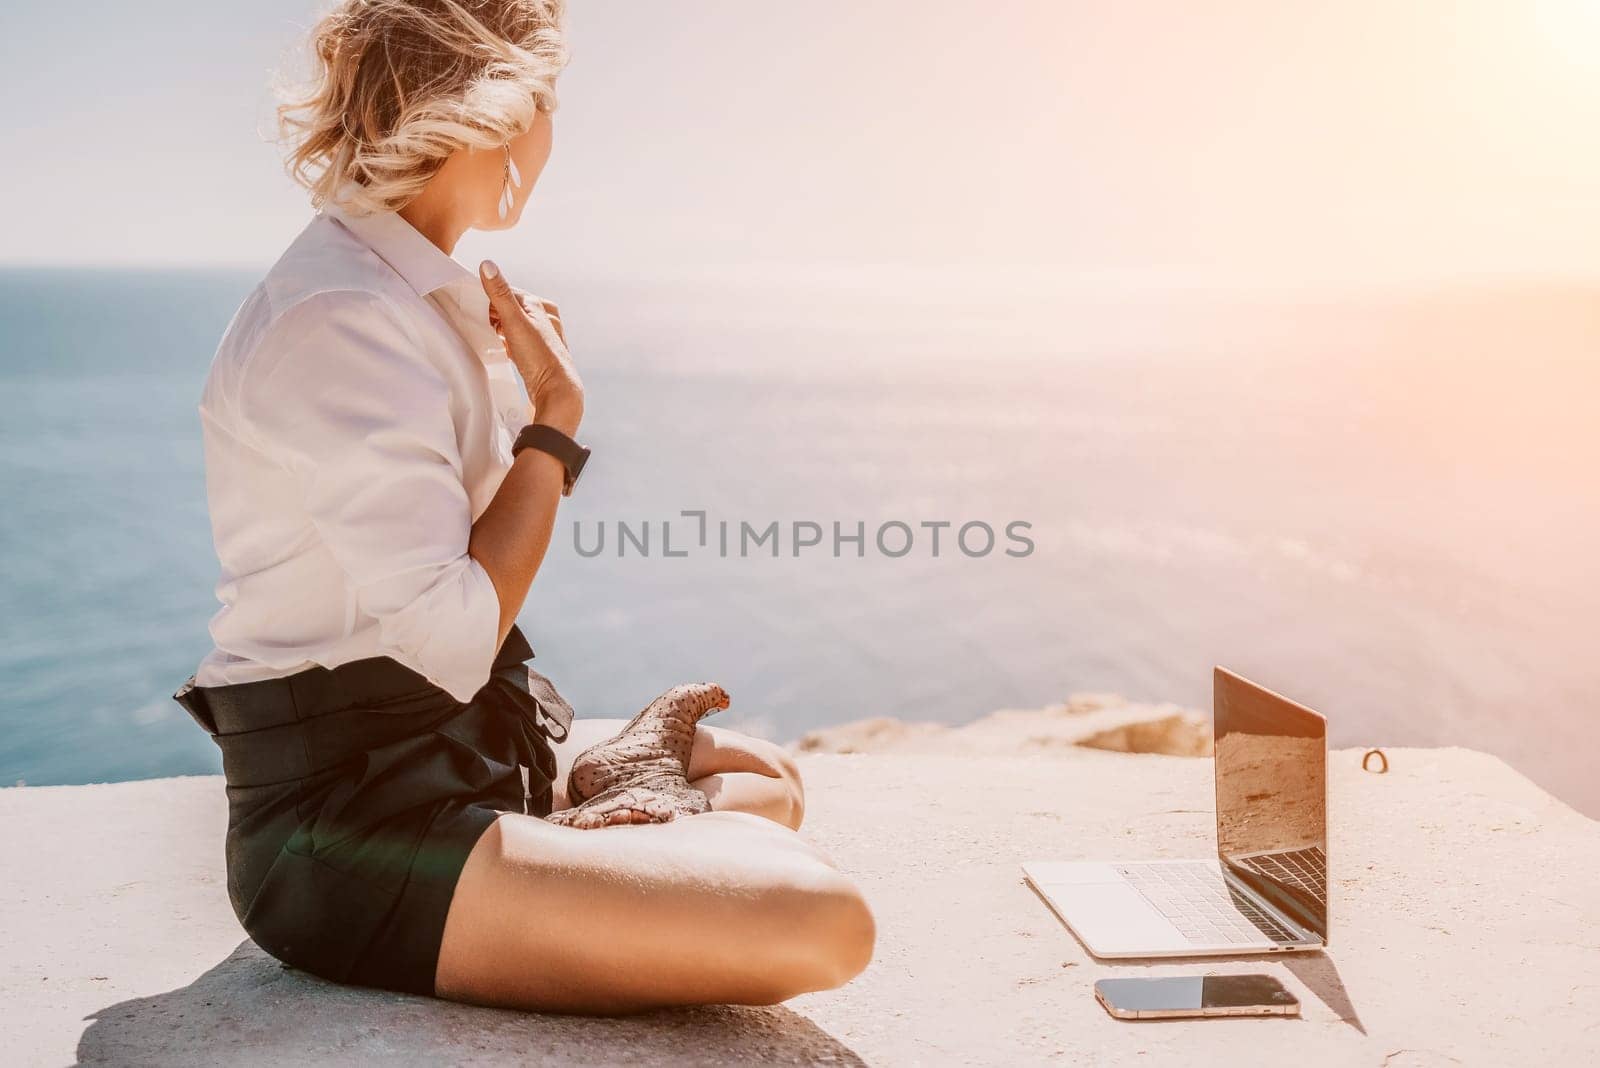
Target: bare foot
[641, 775]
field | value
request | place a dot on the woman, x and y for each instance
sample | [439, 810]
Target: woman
[387, 439]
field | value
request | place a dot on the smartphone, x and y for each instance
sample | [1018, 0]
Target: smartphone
[1175, 997]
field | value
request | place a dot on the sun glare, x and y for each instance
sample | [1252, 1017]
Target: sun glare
[1572, 29]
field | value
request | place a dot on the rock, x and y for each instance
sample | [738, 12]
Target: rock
[1095, 721]
[1079, 703]
[1180, 734]
[867, 736]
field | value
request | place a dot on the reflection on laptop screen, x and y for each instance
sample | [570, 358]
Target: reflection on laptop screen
[1271, 768]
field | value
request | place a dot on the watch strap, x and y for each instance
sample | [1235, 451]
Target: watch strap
[547, 439]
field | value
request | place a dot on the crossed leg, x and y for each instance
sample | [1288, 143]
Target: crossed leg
[721, 907]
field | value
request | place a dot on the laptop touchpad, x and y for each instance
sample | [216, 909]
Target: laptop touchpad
[1113, 917]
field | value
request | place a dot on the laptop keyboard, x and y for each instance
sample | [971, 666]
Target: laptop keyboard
[1201, 904]
[1305, 870]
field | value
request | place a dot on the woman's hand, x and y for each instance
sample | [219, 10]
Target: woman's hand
[536, 345]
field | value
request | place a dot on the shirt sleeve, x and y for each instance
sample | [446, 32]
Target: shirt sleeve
[349, 400]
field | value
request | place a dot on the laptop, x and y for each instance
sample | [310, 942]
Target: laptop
[1267, 889]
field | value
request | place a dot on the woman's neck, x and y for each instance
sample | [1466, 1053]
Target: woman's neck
[438, 219]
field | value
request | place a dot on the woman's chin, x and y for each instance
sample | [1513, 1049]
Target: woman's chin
[509, 222]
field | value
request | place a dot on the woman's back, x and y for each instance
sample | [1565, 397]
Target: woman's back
[346, 400]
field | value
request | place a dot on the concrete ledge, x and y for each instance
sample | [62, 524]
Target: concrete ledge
[1466, 929]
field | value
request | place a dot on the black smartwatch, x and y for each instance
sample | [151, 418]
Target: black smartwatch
[548, 439]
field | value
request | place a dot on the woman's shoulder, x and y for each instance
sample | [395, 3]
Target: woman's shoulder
[328, 308]
[325, 280]
[328, 270]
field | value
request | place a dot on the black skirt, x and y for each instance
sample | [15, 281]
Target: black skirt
[355, 795]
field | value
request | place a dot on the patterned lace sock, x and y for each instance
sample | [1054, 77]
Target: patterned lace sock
[641, 775]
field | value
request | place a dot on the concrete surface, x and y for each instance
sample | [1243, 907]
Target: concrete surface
[1466, 929]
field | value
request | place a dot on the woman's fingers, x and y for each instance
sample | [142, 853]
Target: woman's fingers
[539, 317]
[534, 305]
[538, 306]
[509, 305]
[533, 343]
[530, 301]
[505, 309]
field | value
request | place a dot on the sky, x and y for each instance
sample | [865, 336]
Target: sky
[1249, 142]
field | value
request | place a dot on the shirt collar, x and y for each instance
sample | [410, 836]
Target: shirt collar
[422, 264]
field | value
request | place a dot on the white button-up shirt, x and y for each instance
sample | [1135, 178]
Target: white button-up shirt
[358, 418]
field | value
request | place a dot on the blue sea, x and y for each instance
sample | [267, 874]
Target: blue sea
[1380, 504]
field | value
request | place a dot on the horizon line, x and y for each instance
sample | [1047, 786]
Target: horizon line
[1151, 281]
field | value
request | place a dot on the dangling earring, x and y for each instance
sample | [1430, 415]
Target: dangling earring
[511, 183]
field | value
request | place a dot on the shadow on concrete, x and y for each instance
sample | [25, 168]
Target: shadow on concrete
[250, 1009]
[1317, 972]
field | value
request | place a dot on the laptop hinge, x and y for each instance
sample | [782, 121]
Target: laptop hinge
[1286, 909]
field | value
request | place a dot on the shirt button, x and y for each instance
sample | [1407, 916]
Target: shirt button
[512, 415]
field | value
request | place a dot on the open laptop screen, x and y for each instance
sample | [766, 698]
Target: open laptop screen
[1272, 797]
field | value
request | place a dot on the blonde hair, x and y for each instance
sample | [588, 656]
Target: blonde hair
[397, 86]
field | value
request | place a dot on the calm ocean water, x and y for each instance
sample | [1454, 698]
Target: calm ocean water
[1384, 508]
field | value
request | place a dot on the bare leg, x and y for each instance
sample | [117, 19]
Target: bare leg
[738, 773]
[717, 908]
